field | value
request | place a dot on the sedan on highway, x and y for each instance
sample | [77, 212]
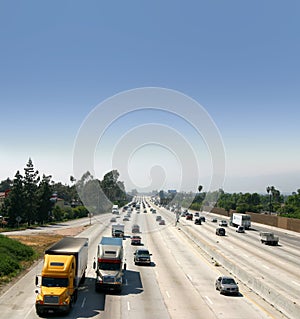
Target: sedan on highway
[142, 256]
[227, 285]
[223, 223]
[136, 240]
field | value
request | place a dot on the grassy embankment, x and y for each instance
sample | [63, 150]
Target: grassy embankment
[18, 253]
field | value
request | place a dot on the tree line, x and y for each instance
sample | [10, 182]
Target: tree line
[271, 202]
[32, 199]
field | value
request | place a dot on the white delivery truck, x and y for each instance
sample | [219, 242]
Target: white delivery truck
[115, 209]
[240, 220]
[117, 230]
[109, 264]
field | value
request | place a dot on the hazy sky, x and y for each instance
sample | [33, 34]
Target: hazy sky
[61, 60]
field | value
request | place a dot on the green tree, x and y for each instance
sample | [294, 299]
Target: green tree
[31, 180]
[6, 185]
[14, 203]
[57, 213]
[44, 205]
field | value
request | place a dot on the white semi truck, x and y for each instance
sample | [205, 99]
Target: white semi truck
[109, 264]
[240, 220]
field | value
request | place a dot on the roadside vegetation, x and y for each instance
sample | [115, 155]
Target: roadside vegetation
[14, 257]
[31, 200]
[271, 202]
[19, 252]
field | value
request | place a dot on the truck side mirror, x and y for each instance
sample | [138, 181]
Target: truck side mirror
[125, 266]
[94, 264]
[36, 280]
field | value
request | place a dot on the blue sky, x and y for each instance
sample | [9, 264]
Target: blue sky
[238, 59]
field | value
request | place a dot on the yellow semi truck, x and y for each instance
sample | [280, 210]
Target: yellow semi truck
[64, 269]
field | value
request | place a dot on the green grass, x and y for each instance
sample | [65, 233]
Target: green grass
[13, 255]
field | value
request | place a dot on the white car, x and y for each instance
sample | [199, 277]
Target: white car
[240, 229]
[223, 223]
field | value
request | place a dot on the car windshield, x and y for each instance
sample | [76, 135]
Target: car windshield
[55, 282]
[228, 281]
[142, 252]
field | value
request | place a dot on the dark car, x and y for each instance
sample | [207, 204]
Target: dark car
[189, 217]
[197, 221]
[162, 222]
[227, 285]
[220, 231]
[202, 219]
[142, 256]
[136, 240]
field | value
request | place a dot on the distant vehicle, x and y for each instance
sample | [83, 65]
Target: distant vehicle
[145, 211]
[142, 256]
[158, 218]
[240, 229]
[197, 221]
[153, 211]
[162, 222]
[223, 223]
[115, 209]
[227, 285]
[189, 217]
[240, 220]
[117, 230]
[196, 214]
[202, 218]
[220, 231]
[269, 238]
[125, 219]
[214, 220]
[136, 240]
[113, 220]
[135, 228]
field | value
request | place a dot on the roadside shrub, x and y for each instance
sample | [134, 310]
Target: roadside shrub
[12, 253]
[15, 249]
[8, 265]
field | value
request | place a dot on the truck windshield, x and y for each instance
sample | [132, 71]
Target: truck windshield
[109, 266]
[55, 282]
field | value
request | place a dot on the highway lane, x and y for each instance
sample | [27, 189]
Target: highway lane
[179, 284]
[196, 271]
[268, 263]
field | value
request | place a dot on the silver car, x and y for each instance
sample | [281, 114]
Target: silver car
[227, 285]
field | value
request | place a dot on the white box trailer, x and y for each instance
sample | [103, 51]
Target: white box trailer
[240, 220]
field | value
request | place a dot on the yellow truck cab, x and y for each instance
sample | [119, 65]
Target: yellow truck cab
[63, 270]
